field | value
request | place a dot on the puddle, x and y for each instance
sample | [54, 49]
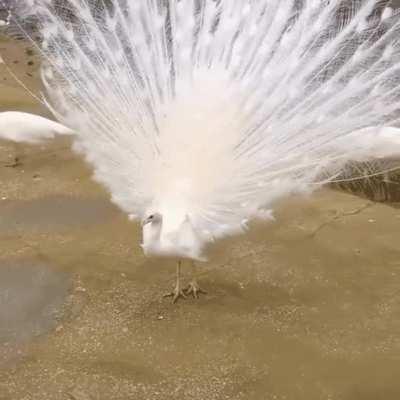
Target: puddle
[31, 298]
[53, 213]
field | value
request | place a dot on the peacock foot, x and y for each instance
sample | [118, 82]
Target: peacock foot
[176, 294]
[194, 289]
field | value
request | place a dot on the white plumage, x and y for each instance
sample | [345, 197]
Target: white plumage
[29, 128]
[199, 115]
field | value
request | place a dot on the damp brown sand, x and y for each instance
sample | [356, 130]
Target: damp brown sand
[306, 307]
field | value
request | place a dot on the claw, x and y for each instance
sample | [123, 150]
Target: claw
[176, 294]
[194, 289]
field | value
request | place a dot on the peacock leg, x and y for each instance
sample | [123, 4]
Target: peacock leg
[193, 287]
[177, 292]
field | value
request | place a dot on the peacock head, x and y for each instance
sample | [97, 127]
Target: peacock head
[153, 218]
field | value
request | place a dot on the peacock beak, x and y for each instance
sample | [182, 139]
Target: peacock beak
[146, 221]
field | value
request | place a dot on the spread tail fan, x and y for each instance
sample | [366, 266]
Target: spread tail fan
[215, 109]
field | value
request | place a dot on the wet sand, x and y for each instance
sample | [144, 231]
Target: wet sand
[306, 307]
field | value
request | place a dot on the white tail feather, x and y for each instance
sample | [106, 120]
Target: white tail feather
[375, 143]
[23, 127]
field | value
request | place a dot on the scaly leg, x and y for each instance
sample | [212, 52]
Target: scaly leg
[193, 287]
[177, 292]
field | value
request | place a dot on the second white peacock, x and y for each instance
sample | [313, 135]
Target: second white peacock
[199, 115]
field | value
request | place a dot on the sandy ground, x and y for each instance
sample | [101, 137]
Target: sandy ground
[306, 307]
